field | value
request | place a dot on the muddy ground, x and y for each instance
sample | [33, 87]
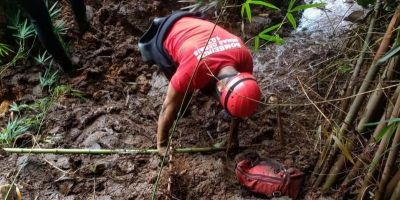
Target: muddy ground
[122, 100]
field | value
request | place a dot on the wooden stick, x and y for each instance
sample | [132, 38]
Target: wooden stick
[233, 140]
[280, 125]
[115, 151]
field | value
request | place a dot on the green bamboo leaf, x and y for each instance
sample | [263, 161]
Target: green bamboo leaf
[306, 6]
[256, 43]
[263, 3]
[291, 20]
[272, 38]
[248, 12]
[291, 4]
[270, 29]
[343, 148]
[386, 130]
[242, 11]
[4, 49]
[391, 120]
[389, 54]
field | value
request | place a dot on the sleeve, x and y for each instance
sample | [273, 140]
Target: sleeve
[246, 61]
[180, 81]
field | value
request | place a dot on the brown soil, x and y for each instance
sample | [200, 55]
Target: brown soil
[121, 110]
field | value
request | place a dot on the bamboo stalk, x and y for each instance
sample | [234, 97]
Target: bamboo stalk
[358, 101]
[378, 154]
[326, 166]
[377, 97]
[373, 102]
[361, 57]
[373, 70]
[392, 184]
[331, 155]
[317, 168]
[396, 192]
[391, 159]
[365, 156]
[114, 151]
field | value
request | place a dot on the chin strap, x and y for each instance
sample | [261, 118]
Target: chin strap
[224, 76]
[221, 77]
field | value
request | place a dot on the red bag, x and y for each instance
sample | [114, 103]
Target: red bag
[269, 178]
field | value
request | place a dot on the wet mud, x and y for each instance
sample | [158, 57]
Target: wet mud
[123, 97]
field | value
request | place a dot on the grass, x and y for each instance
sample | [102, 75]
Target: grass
[23, 30]
[14, 128]
[48, 79]
[31, 116]
[4, 51]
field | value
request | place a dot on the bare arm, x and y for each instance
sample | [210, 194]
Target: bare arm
[167, 116]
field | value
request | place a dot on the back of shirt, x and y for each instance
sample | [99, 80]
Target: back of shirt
[186, 44]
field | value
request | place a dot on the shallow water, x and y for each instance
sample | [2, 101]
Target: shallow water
[278, 66]
[327, 20]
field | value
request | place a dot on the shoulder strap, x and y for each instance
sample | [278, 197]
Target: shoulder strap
[151, 43]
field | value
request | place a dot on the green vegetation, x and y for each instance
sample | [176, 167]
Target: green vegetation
[31, 116]
[270, 34]
[14, 129]
[4, 50]
[23, 30]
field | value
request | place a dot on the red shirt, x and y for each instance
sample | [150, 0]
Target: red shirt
[185, 43]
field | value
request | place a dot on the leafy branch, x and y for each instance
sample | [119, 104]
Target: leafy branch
[270, 34]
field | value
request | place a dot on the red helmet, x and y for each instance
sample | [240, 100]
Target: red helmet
[241, 95]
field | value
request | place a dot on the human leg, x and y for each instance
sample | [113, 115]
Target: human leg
[79, 9]
[38, 14]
